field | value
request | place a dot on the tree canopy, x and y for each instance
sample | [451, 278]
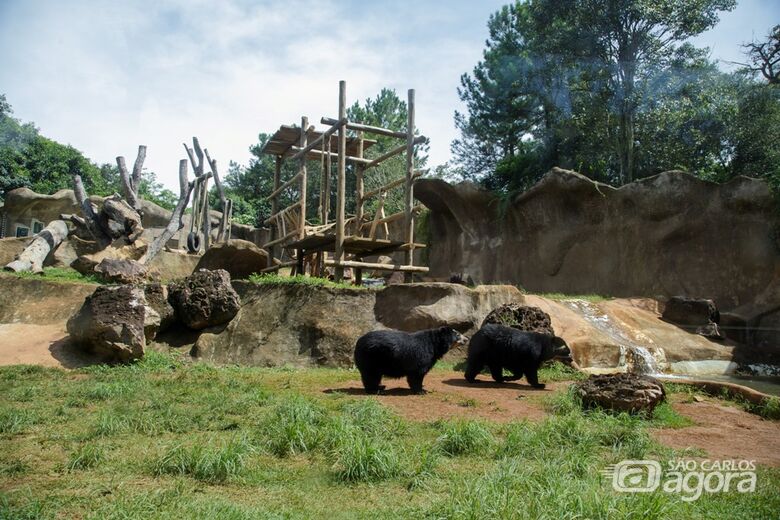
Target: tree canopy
[613, 89]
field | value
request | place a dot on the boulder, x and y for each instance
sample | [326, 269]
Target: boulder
[157, 298]
[521, 317]
[112, 323]
[204, 299]
[240, 258]
[121, 271]
[417, 306]
[698, 315]
[119, 219]
[632, 393]
[120, 249]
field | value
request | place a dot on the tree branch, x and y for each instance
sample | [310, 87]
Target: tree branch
[176, 223]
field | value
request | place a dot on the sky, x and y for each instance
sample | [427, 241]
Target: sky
[106, 76]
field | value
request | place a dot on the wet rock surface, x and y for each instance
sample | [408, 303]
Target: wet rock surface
[631, 393]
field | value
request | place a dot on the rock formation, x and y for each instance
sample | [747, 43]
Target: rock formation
[521, 317]
[630, 393]
[205, 299]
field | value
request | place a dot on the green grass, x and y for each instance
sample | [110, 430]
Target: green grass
[58, 274]
[162, 438]
[593, 298]
[275, 279]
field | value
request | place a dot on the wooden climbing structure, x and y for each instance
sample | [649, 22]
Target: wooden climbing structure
[351, 238]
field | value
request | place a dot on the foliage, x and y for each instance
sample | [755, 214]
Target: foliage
[612, 89]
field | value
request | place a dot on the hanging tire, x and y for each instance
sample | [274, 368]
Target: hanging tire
[193, 242]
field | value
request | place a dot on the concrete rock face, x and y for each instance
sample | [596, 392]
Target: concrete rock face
[112, 323]
[417, 306]
[121, 270]
[661, 236]
[204, 299]
[630, 393]
[699, 315]
[239, 258]
[521, 317]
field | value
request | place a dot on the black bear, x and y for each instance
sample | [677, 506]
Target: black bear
[500, 347]
[392, 353]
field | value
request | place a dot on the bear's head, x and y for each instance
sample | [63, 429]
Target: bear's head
[451, 338]
[558, 350]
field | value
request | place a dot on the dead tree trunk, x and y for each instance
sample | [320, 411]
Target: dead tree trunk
[175, 224]
[226, 207]
[131, 183]
[31, 259]
[90, 217]
[203, 202]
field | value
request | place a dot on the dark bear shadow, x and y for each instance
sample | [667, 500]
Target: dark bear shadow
[482, 383]
[360, 391]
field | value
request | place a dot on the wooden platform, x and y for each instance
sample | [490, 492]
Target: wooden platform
[354, 245]
[288, 136]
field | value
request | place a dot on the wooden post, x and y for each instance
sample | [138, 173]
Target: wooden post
[341, 182]
[274, 210]
[302, 189]
[409, 188]
[359, 171]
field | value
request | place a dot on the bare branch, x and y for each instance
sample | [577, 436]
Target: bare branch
[176, 223]
[100, 236]
[137, 168]
[127, 183]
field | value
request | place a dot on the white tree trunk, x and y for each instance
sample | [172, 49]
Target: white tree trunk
[31, 259]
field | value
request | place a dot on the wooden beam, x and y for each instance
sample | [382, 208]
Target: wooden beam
[278, 266]
[409, 187]
[341, 182]
[359, 186]
[389, 186]
[275, 241]
[395, 216]
[275, 208]
[378, 267]
[303, 177]
[282, 212]
[366, 128]
[318, 153]
[284, 186]
[325, 135]
[395, 151]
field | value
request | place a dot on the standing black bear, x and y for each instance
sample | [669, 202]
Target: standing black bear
[501, 347]
[392, 353]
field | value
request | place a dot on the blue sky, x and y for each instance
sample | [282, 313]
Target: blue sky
[107, 76]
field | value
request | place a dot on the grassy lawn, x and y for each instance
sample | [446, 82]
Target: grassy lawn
[163, 439]
[57, 274]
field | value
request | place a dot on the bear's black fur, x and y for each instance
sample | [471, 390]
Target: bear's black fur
[521, 353]
[392, 353]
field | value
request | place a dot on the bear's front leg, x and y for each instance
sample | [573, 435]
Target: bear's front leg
[516, 374]
[497, 371]
[416, 383]
[533, 379]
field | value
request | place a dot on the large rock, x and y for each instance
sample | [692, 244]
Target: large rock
[417, 306]
[119, 219]
[157, 298]
[238, 257]
[630, 393]
[205, 299]
[695, 314]
[521, 317]
[120, 249]
[121, 271]
[112, 323]
[657, 237]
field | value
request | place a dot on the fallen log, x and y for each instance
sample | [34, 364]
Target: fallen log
[31, 259]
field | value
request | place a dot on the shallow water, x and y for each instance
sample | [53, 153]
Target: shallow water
[766, 384]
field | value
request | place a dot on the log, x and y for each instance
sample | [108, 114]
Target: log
[359, 127]
[284, 186]
[224, 221]
[176, 223]
[31, 259]
[131, 183]
[409, 186]
[318, 153]
[302, 189]
[390, 185]
[378, 267]
[325, 135]
[341, 183]
[90, 217]
[395, 151]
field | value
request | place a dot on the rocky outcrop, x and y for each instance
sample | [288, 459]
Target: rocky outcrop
[412, 307]
[630, 393]
[156, 295]
[661, 236]
[114, 322]
[121, 271]
[240, 258]
[521, 317]
[699, 315]
[204, 299]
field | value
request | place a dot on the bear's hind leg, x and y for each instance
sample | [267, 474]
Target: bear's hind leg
[516, 374]
[416, 383]
[533, 379]
[497, 371]
[472, 370]
[371, 382]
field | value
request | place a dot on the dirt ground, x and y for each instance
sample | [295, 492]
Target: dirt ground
[724, 432]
